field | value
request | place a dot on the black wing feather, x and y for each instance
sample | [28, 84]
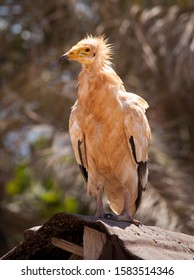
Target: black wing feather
[81, 166]
[141, 171]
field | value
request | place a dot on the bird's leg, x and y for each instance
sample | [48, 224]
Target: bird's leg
[125, 215]
[99, 204]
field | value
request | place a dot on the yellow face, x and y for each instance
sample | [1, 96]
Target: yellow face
[82, 53]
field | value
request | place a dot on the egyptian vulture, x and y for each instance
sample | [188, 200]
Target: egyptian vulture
[109, 131]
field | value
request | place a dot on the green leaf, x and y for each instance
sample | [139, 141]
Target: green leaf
[20, 182]
[70, 204]
[51, 197]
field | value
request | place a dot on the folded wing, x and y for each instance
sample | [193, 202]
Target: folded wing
[78, 142]
[138, 135]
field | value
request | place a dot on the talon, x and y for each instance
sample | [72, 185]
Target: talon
[110, 216]
[137, 223]
[122, 218]
[99, 215]
[129, 219]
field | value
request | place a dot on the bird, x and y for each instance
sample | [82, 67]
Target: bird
[109, 132]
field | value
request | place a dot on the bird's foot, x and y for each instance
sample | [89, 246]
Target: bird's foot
[100, 214]
[128, 218]
[122, 218]
[110, 216]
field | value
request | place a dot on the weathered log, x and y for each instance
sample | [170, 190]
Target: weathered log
[67, 236]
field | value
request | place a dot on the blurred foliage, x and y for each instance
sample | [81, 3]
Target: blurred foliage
[154, 55]
[20, 182]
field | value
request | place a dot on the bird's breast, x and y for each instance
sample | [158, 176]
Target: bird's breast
[102, 123]
[105, 141]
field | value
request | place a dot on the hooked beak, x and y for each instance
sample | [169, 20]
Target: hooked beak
[63, 58]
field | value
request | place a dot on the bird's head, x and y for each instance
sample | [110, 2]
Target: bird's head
[89, 51]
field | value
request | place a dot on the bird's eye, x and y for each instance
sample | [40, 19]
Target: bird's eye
[87, 50]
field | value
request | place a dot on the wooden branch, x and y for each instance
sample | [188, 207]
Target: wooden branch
[68, 246]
